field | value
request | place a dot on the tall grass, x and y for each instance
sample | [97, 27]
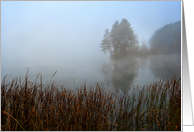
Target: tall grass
[33, 106]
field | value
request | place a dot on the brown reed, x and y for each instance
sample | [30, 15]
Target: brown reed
[32, 106]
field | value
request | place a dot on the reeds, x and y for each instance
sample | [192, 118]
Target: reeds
[35, 107]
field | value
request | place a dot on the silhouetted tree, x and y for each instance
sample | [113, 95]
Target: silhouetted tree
[167, 40]
[121, 43]
[143, 50]
[165, 47]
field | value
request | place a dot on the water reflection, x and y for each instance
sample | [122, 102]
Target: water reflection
[129, 72]
[121, 73]
[163, 66]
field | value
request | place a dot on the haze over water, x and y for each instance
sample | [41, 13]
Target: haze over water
[66, 36]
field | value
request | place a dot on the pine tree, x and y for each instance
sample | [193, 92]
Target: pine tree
[121, 41]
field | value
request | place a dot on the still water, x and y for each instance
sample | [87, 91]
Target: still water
[73, 74]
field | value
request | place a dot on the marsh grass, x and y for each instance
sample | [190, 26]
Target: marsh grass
[33, 106]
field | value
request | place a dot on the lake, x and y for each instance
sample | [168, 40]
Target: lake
[149, 69]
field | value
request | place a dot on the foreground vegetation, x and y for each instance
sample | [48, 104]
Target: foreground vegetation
[33, 106]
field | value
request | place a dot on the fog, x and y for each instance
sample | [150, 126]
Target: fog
[66, 36]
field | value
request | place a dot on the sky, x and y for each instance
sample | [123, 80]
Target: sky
[66, 34]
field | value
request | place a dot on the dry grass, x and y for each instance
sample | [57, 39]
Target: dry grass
[32, 106]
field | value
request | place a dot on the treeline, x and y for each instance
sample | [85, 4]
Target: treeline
[121, 41]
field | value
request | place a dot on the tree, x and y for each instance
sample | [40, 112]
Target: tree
[165, 47]
[143, 50]
[167, 40]
[121, 41]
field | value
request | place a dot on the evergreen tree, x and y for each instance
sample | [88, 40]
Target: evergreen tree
[165, 47]
[167, 40]
[121, 41]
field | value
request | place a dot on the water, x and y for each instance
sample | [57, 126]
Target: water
[66, 76]
[151, 69]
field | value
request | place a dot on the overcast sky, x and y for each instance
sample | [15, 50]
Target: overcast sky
[66, 33]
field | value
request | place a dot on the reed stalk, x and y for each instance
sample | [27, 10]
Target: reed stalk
[33, 106]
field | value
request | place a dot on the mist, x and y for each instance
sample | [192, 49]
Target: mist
[66, 36]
